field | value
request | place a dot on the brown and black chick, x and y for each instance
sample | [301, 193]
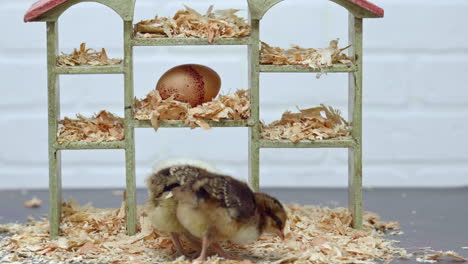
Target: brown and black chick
[216, 208]
[161, 206]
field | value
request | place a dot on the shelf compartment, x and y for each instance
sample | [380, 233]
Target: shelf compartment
[331, 143]
[91, 145]
[188, 41]
[106, 69]
[301, 68]
[181, 123]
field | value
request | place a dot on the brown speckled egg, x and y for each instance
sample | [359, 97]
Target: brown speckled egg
[190, 83]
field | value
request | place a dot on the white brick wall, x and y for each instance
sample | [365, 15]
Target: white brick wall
[415, 95]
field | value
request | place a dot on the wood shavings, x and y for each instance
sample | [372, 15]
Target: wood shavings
[314, 58]
[102, 127]
[91, 235]
[318, 123]
[85, 56]
[428, 255]
[188, 23]
[234, 106]
[33, 203]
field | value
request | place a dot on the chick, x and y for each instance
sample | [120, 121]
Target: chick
[216, 207]
[161, 206]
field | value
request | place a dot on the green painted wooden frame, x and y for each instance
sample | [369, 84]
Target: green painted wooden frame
[258, 8]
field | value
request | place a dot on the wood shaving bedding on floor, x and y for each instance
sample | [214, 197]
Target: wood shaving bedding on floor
[91, 235]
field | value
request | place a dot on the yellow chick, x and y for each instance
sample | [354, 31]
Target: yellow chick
[161, 206]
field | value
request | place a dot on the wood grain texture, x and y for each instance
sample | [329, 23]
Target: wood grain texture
[130, 201]
[300, 68]
[53, 95]
[106, 69]
[188, 41]
[254, 83]
[355, 118]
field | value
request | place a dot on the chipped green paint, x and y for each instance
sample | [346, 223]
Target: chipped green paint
[129, 131]
[188, 41]
[300, 68]
[106, 69]
[91, 145]
[343, 143]
[254, 82]
[181, 124]
[53, 106]
[257, 9]
[355, 118]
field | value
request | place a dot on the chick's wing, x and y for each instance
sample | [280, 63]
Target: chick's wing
[228, 192]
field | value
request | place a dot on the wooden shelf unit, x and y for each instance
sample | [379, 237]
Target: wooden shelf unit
[50, 11]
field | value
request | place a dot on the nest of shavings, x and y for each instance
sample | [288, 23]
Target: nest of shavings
[318, 123]
[234, 106]
[188, 23]
[103, 126]
[314, 58]
[85, 56]
[91, 235]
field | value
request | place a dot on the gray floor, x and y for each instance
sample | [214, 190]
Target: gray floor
[436, 218]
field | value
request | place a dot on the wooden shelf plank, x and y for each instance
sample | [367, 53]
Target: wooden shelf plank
[300, 68]
[106, 69]
[188, 41]
[92, 145]
[332, 143]
[179, 123]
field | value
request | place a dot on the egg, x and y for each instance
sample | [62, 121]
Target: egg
[190, 83]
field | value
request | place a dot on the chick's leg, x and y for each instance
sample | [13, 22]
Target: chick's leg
[195, 242]
[220, 251]
[178, 244]
[206, 243]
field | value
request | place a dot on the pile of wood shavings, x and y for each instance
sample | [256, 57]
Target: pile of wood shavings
[101, 127]
[189, 23]
[314, 58]
[316, 123]
[234, 106]
[313, 235]
[85, 56]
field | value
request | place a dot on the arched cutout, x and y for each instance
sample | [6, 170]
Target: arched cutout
[52, 10]
[102, 28]
[359, 8]
[258, 8]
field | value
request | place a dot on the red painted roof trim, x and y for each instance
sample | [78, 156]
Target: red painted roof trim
[378, 11]
[40, 7]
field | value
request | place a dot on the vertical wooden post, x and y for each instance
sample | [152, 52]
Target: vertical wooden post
[355, 117]
[53, 95]
[254, 82]
[129, 131]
